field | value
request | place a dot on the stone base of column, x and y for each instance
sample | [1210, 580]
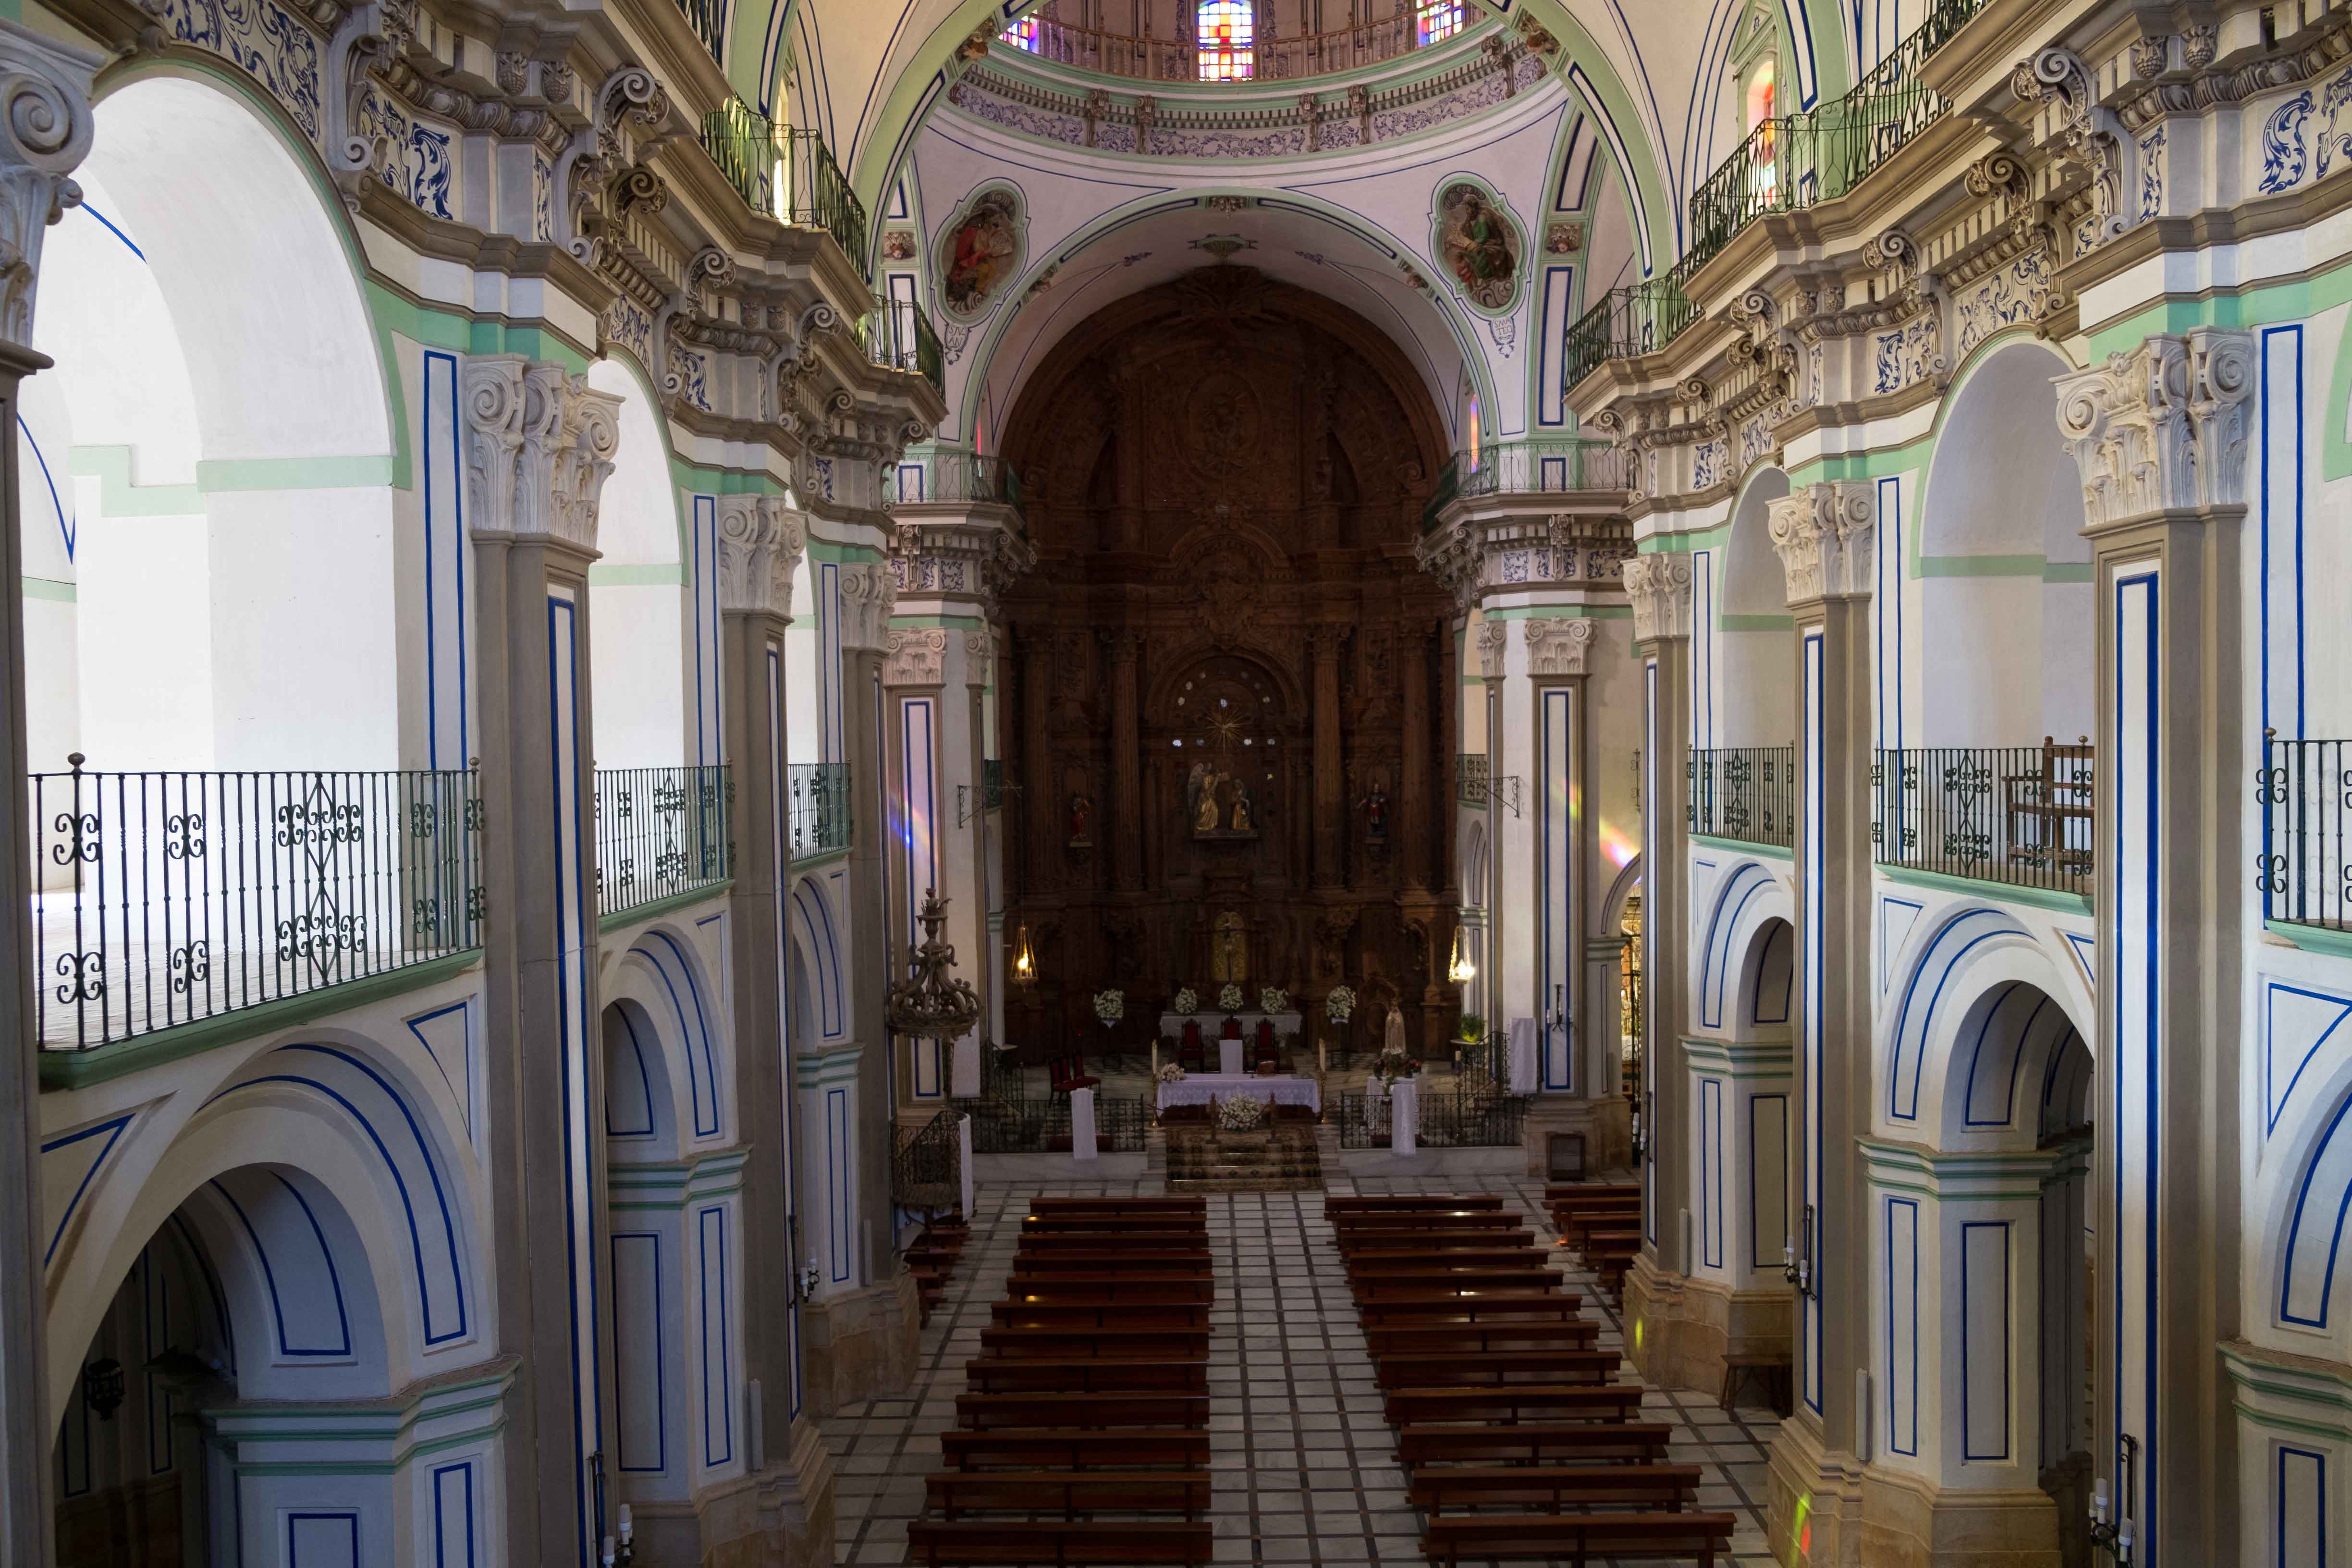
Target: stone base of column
[1680, 1329]
[1606, 1125]
[1908, 1521]
[1813, 1503]
[780, 1518]
[858, 1345]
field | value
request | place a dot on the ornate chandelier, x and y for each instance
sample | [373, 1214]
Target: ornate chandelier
[931, 1003]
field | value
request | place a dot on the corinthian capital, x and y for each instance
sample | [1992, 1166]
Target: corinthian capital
[45, 132]
[539, 446]
[1660, 587]
[869, 593]
[1494, 641]
[1823, 533]
[2161, 428]
[1557, 644]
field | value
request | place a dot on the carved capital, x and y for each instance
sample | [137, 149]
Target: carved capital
[1557, 644]
[1824, 533]
[917, 656]
[2161, 428]
[1493, 641]
[540, 445]
[1325, 641]
[45, 132]
[870, 592]
[1660, 588]
[979, 657]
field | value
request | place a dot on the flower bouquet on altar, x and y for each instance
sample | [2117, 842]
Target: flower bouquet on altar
[1273, 999]
[1394, 1064]
[1230, 998]
[1111, 1006]
[1338, 1004]
[1185, 1002]
[1239, 1113]
[1171, 1072]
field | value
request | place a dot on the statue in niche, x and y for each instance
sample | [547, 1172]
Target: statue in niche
[1219, 804]
[1229, 949]
[1375, 807]
[1082, 811]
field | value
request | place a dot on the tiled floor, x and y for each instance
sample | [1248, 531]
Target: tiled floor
[1305, 1464]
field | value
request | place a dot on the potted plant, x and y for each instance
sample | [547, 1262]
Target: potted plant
[1471, 1030]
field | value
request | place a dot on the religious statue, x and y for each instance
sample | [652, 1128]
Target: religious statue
[1219, 804]
[1082, 811]
[1242, 809]
[1229, 949]
[1375, 807]
[1203, 788]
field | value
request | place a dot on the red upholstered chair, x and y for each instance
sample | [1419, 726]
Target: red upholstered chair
[1266, 1055]
[1233, 1029]
[1070, 1073]
[1191, 1054]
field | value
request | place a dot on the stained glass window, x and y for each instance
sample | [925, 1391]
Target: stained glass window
[1021, 35]
[1227, 29]
[1439, 19]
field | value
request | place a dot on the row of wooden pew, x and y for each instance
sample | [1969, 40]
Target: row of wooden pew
[1602, 1223]
[933, 1258]
[1090, 1397]
[1519, 1439]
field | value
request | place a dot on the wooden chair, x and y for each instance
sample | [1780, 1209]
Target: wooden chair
[979, 1412]
[1191, 1055]
[1417, 1369]
[1264, 1057]
[1070, 1074]
[1072, 1493]
[1495, 1404]
[2041, 807]
[1555, 1488]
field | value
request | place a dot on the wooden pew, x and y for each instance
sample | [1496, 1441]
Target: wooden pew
[1112, 1261]
[1389, 1283]
[1090, 1374]
[939, 1544]
[1154, 1289]
[1681, 1537]
[1121, 1343]
[1532, 1443]
[979, 1412]
[1417, 1370]
[1494, 1258]
[1411, 1203]
[1428, 1219]
[1555, 1191]
[1512, 1401]
[1123, 1226]
[1060, 1448]
[1197, 1207]
[1578, 1230]
[1046, 1241]
[1579, 1334]
[1382, 1238]
[1402, 1309]
[1071, 1493]
[1065, 1316]
[1554, 1488]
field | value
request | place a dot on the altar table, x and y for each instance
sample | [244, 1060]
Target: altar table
[1199, 1087]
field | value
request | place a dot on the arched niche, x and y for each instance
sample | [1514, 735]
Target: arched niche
[1752, 676]
[637, 593]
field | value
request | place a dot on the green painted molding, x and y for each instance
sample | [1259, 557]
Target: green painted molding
[1746, 623]
[52, 589]
[827, 1070]
[2313, 939]
[1975, 1175]
[807, 863]
[2324, 1387]
[120, 495]
[1992, 891]
[2039, 566]
[641, 913]
[79, 1069]
[840, 553]
[1742, 847]
[1741, 1059]
[1669, 541]
[641, 574]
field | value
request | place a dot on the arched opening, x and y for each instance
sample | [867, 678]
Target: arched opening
[638, 593]
[1751, 678]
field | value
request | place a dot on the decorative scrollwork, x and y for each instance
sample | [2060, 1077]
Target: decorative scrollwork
[424, 820]
[84, 975]
[184, 837]
[321, 937]
[190, 965]
[2270, 873]
[318, 823]
[82, 835]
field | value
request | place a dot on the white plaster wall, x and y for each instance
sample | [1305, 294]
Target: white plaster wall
[144, 624]
[638, 649]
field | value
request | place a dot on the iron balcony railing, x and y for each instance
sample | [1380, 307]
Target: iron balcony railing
[788, 173]
[2017, 814]
[1043, 1126]
[899, 336]
[661, 832]
[1147, 59]
[927, 1166]
[992, 784]
[1441, 1120]
[709, 19]
[951, 474]
[2304, 789]
[1542, 464]
[1449, 485]
[161, 899]
[816, 806]
[1627, 322]
[1748, 793]
[1471, 770]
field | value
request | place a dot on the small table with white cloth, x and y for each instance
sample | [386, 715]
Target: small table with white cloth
[1199, 1087]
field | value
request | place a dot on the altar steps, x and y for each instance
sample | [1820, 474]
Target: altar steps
[1283, 1159]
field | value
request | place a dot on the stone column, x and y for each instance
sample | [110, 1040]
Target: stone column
[2159, 436]
[1493, 648]
[1040, 787]
[1413, 786]
[44, 133]
[914, 675]
[1324, 643]
[982, 919]
[538, 445]
[785, 1513]
[1824, 534]
[1126, 824]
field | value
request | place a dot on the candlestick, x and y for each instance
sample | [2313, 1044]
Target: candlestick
[628, 1529]
[609, 1552]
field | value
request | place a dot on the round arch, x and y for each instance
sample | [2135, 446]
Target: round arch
[1749, 895]
[1752, 680]
[1978, 1009]
[662, 974]
[640, 649]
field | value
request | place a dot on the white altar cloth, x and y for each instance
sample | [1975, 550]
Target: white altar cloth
[1199, 1087]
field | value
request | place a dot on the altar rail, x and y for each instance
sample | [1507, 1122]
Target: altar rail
[1455, 1121]
[1001, 1126]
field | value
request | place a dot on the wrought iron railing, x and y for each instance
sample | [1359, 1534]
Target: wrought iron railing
[816, 806]
[927, 1166]
[1449, 485]
[1748, 793]
[1471, 773]
[1146, 58]
[1001, 1126]
[788, 173]
[2304, 873]
[1626, 322]
[899, 336]
[161, 898]
[1540, 464]
[952, 474]
[1442, 1119]
[661, 832]
[2017, 814]
[710, 21]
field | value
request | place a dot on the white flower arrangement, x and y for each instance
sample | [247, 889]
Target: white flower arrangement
[1394, 1065]
[1185, 1001]
[1110, 1006]
[1274, 999]
[1230, 998]
[1340, 1004]
[1171, 1072]
[1240, 1113]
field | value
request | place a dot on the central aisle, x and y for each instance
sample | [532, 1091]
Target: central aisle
[1303, 1461]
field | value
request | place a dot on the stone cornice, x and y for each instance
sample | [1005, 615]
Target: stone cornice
[1510, 549]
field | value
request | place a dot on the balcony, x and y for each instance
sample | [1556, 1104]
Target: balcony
[899, 336]
[2305, 790]
[1148, 59]
[951, 474]
[1747, 794]
[1626, 324]
[165, 898]
[1542, 464]
[1470, 779]
[708, 19]
[816, 808]
[661, 834]
[789, 175]
[2020, 815]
